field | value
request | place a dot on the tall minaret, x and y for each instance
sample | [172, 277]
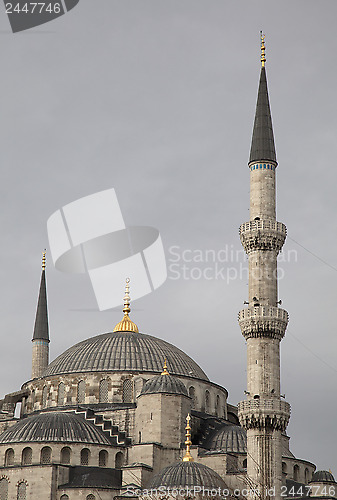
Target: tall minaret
[40, 354]
[263, 323]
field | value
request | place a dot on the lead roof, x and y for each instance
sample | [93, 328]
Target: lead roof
[125, 351]
[54, 427]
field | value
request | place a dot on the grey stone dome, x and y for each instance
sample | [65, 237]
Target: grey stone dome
[54, 427]
[229, 438]
[322, 476]
[187, 474]
[164, 383]
[124, 351]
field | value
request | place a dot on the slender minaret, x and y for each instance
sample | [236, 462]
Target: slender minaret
[40, 354]
[263, 323]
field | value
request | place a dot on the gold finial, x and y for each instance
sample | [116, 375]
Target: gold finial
[44, 260]
[263, 48]
[188, 457]
[126, 325]
[165, 372]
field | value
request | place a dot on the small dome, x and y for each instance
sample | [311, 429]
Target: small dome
[55, 427]
[189, 474]
[164, 383]
[229, 438]
[322, 476]
[124, 351]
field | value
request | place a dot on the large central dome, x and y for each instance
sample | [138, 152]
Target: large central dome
[125, 351]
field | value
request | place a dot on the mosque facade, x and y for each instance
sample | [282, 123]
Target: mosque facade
[126, 414]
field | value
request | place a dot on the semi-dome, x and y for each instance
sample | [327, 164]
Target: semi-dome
[229, 439]
[55, 427]
[124, 351]
[164, 383]
[188, 474]
[322, 476]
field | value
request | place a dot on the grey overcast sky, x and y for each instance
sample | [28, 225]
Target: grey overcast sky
[156, 99]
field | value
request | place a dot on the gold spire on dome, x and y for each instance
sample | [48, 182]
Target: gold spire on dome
[263, 48]
[165, 372]
[126, 325]
[188, 457]
[44, 260]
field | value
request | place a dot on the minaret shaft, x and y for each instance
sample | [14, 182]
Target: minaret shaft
[262, 191]
[264, 414]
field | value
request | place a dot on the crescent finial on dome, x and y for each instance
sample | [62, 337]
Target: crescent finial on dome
[126, 325]
[165, 371]
[188, 457]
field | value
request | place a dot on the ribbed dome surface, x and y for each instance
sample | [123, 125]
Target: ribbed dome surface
[164, 383]
[322, 476]
[124, 351]
[187, 474]
[55, 427]
[229, 438]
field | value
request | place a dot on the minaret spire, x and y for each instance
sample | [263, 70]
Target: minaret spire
[263, 146]
[263, 323]
[40, 339]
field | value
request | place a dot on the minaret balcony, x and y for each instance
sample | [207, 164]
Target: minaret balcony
[264, 414]
[263, 322]
[262, 235]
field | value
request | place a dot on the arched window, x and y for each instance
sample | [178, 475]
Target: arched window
[32, 398]
[65, 455]
[207, 402]
[64, 497]
[61, 393]
[81, 392]
[306, 475]
[119, 460]
[296, 472]
[217, 405]
[91, 497]
[3, 488]
[127, 391]
[22, 491]
[191, 393]
[9, 456]
[27, 455]
[85, 455]
[284, 468]
[103, 391]
[103, 458]
[244, 463]
[44, 396]
[45, 457]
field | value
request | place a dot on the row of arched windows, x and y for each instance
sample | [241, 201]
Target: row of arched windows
[65, 457]
[207, 401]
[296, 472]
[21, 489]
[80, 397]
[88, 497]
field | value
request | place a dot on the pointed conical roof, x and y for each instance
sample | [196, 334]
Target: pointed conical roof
[263, 147]
[41, 328]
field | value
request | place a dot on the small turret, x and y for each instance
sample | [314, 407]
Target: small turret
[40, 354]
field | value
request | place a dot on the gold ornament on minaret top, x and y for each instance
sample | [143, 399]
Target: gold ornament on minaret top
[44, 260]
[263, 49]
[188, 457]
[126, 325]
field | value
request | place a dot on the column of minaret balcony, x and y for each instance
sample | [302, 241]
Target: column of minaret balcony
[263, 324]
